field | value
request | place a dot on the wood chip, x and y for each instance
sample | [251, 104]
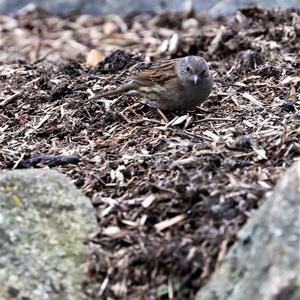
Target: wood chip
[170, 222]
[252, 99]
[93, 58]
[212, 135]
[148, 200]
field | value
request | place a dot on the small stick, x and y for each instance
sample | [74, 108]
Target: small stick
[215, 119]
[48, 160]
[162, 115]
[11, 98]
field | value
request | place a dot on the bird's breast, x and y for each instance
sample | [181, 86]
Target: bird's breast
[195, 94]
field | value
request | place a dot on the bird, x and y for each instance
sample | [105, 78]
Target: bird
[169, 85]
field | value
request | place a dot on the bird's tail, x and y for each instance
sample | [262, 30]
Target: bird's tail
[125, 89]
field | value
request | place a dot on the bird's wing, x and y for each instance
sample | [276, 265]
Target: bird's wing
[157, 74]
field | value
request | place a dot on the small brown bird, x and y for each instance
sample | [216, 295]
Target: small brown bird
[176, 84]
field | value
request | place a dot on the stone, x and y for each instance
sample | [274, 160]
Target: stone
[102, 7]
[264, 262]
[44, 221]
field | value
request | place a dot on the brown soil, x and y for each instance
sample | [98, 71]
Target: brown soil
[170, 195]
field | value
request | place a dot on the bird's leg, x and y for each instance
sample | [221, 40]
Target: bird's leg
[155, 104]
[162, 115]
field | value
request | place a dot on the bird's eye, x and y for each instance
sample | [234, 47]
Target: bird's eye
[189, 69]
[203, 73]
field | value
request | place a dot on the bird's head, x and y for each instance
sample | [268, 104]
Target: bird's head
[192, 69]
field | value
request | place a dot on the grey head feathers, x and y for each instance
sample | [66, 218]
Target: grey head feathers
[192, 69]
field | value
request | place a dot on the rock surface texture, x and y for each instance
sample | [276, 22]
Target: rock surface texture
[102, 7]
[44, 221]
[264, 263]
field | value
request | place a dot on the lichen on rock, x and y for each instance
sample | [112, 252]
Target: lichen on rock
[44, 221]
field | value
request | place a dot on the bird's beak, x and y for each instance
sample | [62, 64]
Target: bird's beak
[195, 78]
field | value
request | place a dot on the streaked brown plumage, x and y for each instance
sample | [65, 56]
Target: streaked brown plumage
[177, 84]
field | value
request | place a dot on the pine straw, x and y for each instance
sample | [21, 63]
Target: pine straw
[170, 194]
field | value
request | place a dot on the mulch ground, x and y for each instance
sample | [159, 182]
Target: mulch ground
[170, 193]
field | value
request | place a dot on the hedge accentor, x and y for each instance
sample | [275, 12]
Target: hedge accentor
[176, 84]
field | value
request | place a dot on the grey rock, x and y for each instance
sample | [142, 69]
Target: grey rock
[264, 263]
[44, 221]
[102, 7]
